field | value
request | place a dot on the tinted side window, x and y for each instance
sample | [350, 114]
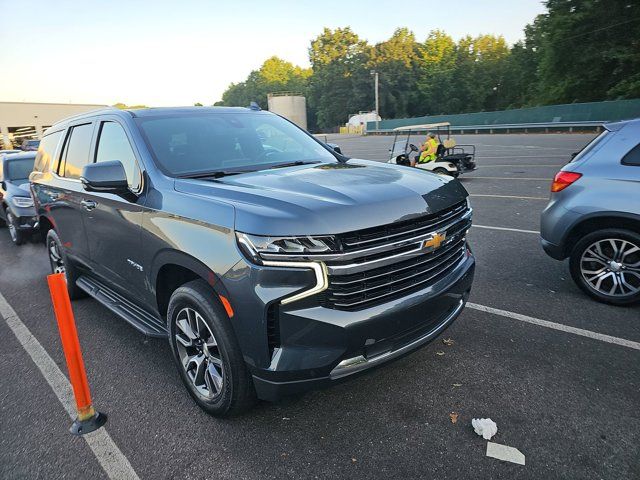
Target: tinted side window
[46, 151]
[633, 157]
[113, 144]
[77, 150]
[590, 146]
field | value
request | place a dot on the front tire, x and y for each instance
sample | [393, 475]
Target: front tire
[207, 353]
[605, 264]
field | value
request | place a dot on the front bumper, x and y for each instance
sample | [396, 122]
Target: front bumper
[26, 217]
[318, 346]
[27, 223]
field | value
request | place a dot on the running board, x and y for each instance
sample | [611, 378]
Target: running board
[140, 319]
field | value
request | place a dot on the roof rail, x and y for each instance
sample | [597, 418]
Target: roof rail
[80, 115]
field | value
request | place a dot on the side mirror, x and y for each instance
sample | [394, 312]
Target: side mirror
[104, 177]
[335, 148]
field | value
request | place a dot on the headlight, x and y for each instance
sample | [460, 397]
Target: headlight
[23, 202]
[257, 246]
[290, 252]
[469, 203]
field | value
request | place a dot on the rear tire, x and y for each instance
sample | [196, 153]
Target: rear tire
[207, 353]
[605, 264]
[60, 263]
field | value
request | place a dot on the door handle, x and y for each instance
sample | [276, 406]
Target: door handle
[88, 204]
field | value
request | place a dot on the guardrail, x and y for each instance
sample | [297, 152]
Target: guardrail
[507, 128]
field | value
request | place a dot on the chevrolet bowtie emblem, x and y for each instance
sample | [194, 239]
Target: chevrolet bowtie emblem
[435, 241]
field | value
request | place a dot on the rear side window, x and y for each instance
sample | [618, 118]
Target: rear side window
[47, 151]
[113, 144]
[633, 157]
[77, 150]
[591, 145]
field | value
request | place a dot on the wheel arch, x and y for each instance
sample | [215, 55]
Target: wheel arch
[172, 269]
[599, 221]
[44, 225]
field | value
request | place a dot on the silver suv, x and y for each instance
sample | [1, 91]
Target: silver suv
[593, 216]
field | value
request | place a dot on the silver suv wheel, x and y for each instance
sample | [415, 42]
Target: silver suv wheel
[13, 231]
[199, 353]
[55, 257]
[611, 266]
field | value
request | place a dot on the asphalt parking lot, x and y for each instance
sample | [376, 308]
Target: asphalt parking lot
[566, 398]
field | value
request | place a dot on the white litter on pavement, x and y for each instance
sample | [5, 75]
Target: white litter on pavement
[484, 427]
[505, 453]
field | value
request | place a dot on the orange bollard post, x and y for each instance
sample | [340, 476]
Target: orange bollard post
[88, 419]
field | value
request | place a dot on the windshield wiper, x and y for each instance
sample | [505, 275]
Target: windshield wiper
[291, 164]
[214, 174]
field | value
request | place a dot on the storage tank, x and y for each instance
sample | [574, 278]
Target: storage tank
[362, 118]
[292, 106]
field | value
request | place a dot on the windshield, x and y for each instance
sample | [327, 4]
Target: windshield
[20, 169]
[399, 147]
[199, 143]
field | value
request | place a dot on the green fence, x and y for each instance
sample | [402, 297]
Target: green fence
[573, 112]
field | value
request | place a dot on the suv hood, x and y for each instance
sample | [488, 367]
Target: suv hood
[328, 198]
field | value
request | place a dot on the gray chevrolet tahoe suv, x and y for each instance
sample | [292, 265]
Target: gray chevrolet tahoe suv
[593, 216]
[271, 262]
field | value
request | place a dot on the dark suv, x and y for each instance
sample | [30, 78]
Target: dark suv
[16, 204]
[273, 263]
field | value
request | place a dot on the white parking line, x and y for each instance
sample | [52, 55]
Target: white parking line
[112, 460]
[506, 229]
[523, 166]
[506, 196]
[537, 147]
[510, 178]
[544, 155]
[557, 326]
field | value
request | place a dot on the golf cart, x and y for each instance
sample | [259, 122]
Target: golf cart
[451, 159]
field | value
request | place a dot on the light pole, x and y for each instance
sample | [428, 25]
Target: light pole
[375, 76]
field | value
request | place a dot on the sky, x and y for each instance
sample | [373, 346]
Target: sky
[178, 52]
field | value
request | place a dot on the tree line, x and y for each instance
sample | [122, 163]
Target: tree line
[578, 51]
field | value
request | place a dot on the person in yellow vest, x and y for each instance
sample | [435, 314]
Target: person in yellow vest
[428, 150]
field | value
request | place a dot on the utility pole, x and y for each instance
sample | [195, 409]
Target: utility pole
[375, 76]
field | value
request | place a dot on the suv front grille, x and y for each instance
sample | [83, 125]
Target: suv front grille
[372, 237]
[404, 267]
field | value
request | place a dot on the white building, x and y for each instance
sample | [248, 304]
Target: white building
[21, 121]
